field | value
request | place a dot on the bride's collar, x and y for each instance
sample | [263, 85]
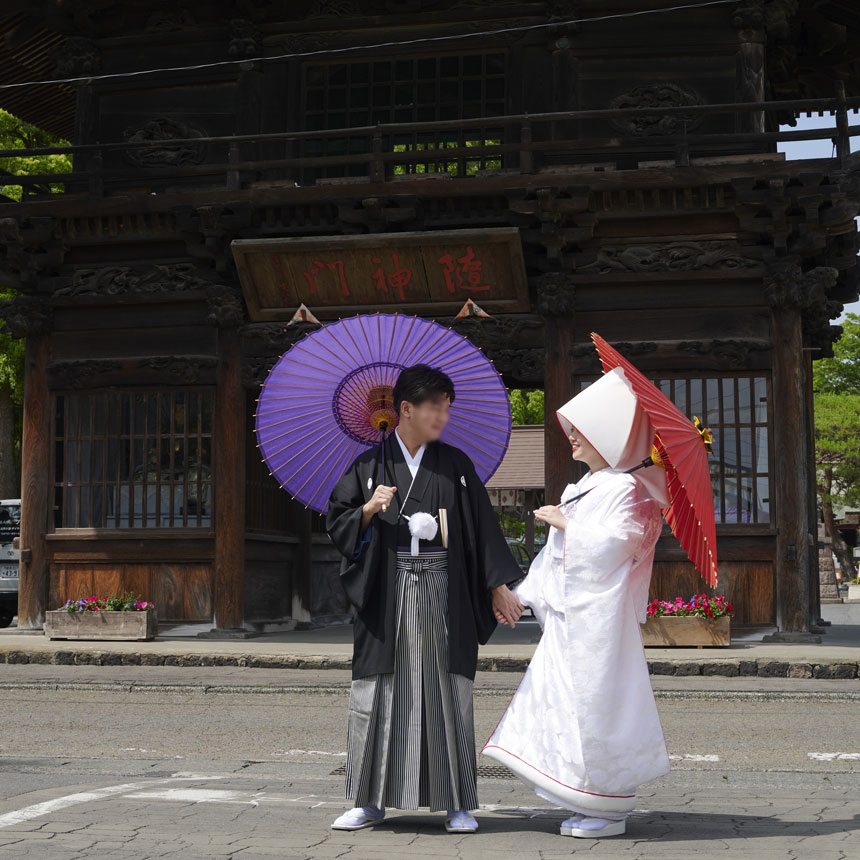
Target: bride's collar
[590, 479]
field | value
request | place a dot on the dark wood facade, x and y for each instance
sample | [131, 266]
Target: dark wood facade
[635, 157]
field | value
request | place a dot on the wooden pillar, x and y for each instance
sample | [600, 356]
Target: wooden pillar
[556, 303]
[750, 73]
[35, 485]
[791, 477]
[229, 474]
[812, 493]
[749, 84]
[565, 87]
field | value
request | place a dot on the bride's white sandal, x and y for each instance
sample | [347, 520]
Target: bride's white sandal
[592, 828]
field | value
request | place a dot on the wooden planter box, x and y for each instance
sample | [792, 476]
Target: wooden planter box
[105, 624]
[666, 631]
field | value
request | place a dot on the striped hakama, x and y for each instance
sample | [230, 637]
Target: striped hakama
[411, 735]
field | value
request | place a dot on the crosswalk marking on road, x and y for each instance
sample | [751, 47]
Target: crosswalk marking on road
[36, 809]
[204, 795]
[694, 757]
[223, 795]
[834, 756]
[309, 752]
[46, 807]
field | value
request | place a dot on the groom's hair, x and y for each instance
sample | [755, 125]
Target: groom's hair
[419, 383]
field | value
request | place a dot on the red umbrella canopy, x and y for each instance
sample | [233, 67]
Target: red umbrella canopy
[683, 447]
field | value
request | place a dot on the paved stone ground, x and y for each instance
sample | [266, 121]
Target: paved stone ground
[251, 811]
[246, 769]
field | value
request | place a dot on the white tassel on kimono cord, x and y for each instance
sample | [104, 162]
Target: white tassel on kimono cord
[421, 526]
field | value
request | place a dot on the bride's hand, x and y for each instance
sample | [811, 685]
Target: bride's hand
[552, 515]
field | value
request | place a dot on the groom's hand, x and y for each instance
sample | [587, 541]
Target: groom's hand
[380, 500]
[506, 606]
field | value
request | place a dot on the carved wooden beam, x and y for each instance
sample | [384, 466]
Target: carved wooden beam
[142, 370]
[28, 249]
[26, 315]
[708, 354]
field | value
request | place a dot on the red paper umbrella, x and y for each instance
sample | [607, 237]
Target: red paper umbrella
[683, 447]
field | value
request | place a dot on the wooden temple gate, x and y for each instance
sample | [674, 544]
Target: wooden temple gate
[615, 176]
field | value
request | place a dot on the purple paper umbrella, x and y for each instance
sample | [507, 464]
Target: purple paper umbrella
[329, 397]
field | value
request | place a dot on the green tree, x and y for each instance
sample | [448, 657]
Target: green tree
[526, 406]
[842, 372]
[836, 383]
[837, 453]
[11, 396]
[17, 134]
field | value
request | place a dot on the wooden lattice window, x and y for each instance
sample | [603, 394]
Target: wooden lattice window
[133, 459]
[735, 408]
[406, 89]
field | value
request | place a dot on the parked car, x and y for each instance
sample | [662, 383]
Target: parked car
[10, 529]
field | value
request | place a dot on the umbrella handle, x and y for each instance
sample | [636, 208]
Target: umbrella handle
[383, 426]
[644, 464]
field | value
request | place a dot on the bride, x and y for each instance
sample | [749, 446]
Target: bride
[582, 729]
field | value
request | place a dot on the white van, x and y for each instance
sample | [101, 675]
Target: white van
[10, 528]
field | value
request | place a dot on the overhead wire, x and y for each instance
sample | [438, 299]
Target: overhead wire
[423, 40]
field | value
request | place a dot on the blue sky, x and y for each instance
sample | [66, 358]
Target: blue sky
[818, 149]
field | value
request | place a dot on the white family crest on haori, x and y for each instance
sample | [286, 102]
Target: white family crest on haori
[582, 729]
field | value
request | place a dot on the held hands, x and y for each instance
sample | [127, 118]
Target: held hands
[506, 606]
[552, 515]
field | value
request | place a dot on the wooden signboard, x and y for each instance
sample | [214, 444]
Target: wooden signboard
[422, 273]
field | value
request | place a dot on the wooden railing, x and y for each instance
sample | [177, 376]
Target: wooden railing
[520, 142]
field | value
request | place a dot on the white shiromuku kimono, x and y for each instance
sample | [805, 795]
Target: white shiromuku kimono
[582, 729]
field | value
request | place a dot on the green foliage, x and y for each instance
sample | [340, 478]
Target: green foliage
[837, 446]
[11, 359]
[841, 374]
[456, 166]
[527, 406]
[12, 375]
[836, 382]
[17, 134]
[512, 526]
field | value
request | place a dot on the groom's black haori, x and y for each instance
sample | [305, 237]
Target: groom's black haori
[478, 556]
[411, 682]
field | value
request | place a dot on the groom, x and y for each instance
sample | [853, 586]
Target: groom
[419, 617]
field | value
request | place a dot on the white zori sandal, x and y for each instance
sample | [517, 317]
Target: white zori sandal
[359, 818]
[592, 828]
